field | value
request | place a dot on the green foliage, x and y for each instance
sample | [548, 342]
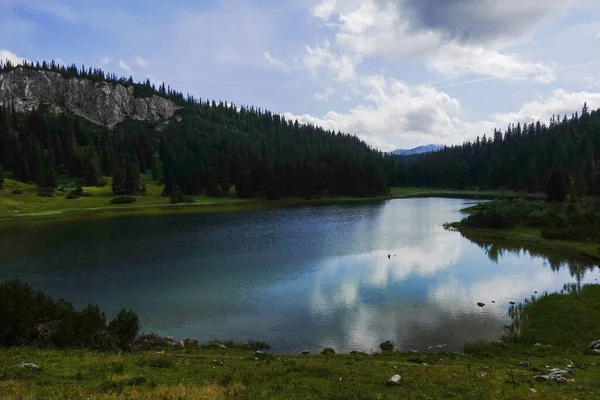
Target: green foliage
[387, 345]
[123, 200]
[45, 192]
[27, 316]
[328, 351]
[571, 221]
[1, 177]
[556, 190]
[125, 326]
[176, 195]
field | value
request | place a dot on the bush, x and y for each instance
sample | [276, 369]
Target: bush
[123, 200]
[85, 194]
[125, 326]
[101, 182]
[387, 345]
[45, 194]
[28, 316]
[328, 351]
[17, 191]
[71, 196]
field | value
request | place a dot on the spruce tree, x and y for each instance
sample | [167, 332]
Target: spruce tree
[556, 189]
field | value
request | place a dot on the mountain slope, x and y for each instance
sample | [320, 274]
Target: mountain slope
[100, 102]
[418, 150]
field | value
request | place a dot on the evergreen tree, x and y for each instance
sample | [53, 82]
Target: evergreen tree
[556, 189]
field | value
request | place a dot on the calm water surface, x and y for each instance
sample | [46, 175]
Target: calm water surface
[297, 278]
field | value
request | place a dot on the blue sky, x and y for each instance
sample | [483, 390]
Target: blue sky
[398, 73]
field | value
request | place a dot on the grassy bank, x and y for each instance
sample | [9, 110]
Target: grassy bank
[566, 321]
[532, 237]
[19, 200]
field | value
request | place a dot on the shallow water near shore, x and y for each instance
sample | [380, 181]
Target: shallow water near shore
[340, 276]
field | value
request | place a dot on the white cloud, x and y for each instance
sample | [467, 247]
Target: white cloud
[453, 60]
[394, 111]
[105, 60]
[343, 65]
[278, 64]
[591, 82]
[6, 55]
[123, 65]
[141, 62]
[374, 28]
[325, 95]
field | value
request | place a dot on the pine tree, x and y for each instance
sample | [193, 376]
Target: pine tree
[556, 189]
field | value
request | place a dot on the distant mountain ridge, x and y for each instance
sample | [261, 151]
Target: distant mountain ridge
[418, 150]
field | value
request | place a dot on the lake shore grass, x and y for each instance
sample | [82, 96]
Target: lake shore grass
[533, 237]
[492, 370]
[20, 201]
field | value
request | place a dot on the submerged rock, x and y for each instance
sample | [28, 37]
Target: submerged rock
[480, 304]
[395, 380]
[512, 303]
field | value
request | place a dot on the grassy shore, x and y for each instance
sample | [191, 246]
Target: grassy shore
[27, 203]
[565, 321]
[532, 237]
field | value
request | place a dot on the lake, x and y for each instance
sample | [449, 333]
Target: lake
[346, 277]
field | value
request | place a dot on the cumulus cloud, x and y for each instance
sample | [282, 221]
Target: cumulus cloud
[454, 60]
[123, 65]
[395, 111]
[105, 60]
[480, 20]
[378, 28]
[6, 55]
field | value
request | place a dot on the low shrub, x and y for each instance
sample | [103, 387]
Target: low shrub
[45, 194]
[387, 345]
[71, 196]
[17, 191]
[327, 351]
[28, 317]
[85, 194]
[123, 200]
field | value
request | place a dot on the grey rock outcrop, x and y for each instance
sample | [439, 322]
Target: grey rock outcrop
[99, 102]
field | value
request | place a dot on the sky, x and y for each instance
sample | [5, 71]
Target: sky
[397, 73]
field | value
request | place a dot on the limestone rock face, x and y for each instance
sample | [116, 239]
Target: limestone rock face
[99, 102]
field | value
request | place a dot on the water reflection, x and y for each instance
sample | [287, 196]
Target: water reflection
[345, 277]
[497, 248]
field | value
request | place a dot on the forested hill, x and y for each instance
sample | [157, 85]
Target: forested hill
[207, 148]
[522, 157]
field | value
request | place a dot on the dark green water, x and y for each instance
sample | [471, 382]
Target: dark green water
[297, 278]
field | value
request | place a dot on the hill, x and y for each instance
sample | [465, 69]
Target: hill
[418, 150]
[60, 122]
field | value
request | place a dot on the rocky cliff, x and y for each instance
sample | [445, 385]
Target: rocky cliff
[102, 103]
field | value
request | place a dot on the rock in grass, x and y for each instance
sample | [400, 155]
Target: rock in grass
[480, 304]
[305, 352]
[595, 345]
[394, 380]
[555, 375]
[28, 365]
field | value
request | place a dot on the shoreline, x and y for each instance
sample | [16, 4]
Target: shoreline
[532, 236]
[235, 204]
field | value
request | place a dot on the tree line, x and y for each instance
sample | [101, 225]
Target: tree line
[212, 147]
[215, 146]
[565, 152]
